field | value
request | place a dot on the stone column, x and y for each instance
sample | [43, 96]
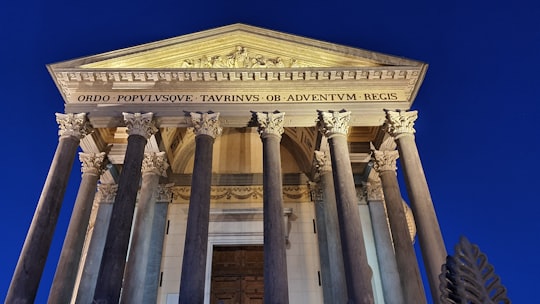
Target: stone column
[87, 285]
[333, 279]
[400, 126]
[25, 281]
[66, 271]
[154, 165]
[276, 286]
[384, 162]
[139, 127]
[358, 274]
[206, 128]
[383, 243]
[151, 282]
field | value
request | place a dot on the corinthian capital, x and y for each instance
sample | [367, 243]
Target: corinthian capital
[270, 123]
[92, 163]
[374, 191]
[333, 123]
[401, 123]
[107, 193]
[322, 162]
[206, 123]
[75, 125]
[385, 160]
[164, 193]
[155, 162]
[140, 124]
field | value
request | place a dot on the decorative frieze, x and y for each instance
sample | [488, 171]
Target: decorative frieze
[140, 124]
[206, 123]
[155, 163]
[401, 123]
[71, 124]
[248, 194]
[92, 163]
[385, 160]
[334, 123]
[270, 123]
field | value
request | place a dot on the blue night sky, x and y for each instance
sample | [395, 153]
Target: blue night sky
[478, 107]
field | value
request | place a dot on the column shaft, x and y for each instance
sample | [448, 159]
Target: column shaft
[332, 270]
[153, 268]
[276, 288]
[385, 253]
[154, 166]
[133, 289]
[113, 262]
[25, 281]
[429, 233]
[357, 271]
[411, 282]
[66, 271]
[196, 243]
[90, 271]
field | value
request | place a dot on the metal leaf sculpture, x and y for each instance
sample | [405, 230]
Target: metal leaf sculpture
[468, 278]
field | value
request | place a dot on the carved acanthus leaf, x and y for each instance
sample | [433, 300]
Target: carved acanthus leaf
[75, 125]
[92, 163]
[206, 123]
[374, 190]
[140, 124]
[334, 123]
[385, 160]
[270, 123]
[322, 162]
[401, 123]
[155, 163]
[164, 193]
[241, 58]
[107, 192]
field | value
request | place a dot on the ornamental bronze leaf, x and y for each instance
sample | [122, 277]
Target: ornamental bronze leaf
[468, 278]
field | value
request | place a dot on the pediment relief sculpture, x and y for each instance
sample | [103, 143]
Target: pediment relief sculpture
[241, 58]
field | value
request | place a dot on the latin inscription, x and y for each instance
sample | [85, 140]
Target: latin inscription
[239, 98]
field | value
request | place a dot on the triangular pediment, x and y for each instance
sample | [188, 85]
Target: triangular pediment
[237, 46]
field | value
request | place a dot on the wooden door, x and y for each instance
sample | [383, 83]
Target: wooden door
[237, 275]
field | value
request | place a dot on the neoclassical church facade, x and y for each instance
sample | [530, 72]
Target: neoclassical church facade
[236, 165]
